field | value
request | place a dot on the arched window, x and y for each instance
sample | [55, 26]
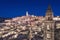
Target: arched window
[48, 27]
[48, 36]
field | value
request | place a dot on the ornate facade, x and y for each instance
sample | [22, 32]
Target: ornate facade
[33, 27]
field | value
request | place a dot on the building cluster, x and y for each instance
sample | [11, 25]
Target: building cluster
[29, 24]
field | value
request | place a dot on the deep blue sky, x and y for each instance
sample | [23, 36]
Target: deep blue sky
[14, 8]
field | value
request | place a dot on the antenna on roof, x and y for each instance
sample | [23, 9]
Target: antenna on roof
[27, 13]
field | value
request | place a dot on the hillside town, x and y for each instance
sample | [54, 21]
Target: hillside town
[31, 27]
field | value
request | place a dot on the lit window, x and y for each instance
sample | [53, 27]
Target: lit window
[48, 27]
[48, 36]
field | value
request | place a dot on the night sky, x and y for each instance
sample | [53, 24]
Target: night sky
[15, 8]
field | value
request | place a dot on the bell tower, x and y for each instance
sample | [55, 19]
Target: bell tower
[49, 14]
[49, 25]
